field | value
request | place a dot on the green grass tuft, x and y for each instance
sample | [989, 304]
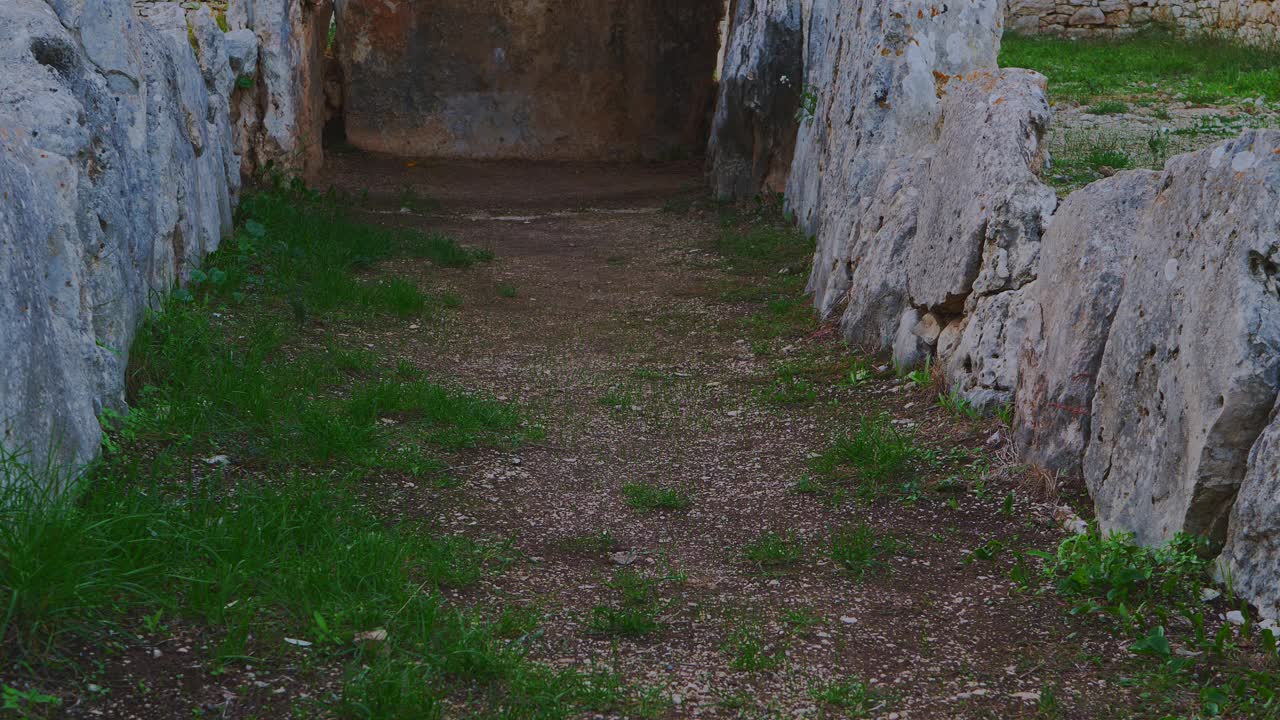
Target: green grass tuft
[647, 498]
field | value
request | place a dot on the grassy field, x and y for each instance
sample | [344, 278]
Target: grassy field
[1137, 101]
[1149, 67]
[234, 509]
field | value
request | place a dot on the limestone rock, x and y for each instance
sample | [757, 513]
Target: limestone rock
[762, 99]
[1252, 554]
[877, 67]
[281, 122]
[117, 173]
[1191, 368]
[984, 209]
[242, 52]
[1083, 263]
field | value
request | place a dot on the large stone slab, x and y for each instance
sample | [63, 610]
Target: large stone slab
[539, 79]
[761, 100]
[118, 174]
[280, 119]
[876, 68]
[1251, 559]
[1084, 259]
[1191, 368]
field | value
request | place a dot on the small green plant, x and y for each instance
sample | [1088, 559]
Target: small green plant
[749, 651]
[861, 551]
[801, 618]
[507, 291]
[860, 374]
[852, 697]
[959, 406]
[873, 454]
[773, 551]
[635, 611]
[810, 95]
[921, 377]
[1136, 586]
[25, 701]
[646, 497]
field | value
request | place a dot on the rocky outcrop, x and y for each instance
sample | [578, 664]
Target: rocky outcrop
[1083, 264]
[117, 174]
[1251, 560]
[1191, 368]
[877, 68]
[762, 99]
[555, 79]
[1136, 327]
[281, 116]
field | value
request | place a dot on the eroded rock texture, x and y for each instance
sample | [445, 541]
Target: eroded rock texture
[1191, 368]
[548, 79]
[762, 99]
[281, 115]
[1252, 555]
[877, 68]
[117, 174]
[1086, 255]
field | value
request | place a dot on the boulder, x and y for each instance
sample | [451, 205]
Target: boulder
[117, 173]
[877, 68]
[1083, 263]
[1191, 368]
[762, 99]
[280, 119]
[1251, 558]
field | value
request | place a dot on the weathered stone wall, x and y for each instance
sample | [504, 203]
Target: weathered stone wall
[1254, 21]
[543, 79]
[118, 174]
[1136, 327]
[124, 133]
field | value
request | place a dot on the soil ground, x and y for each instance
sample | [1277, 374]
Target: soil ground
[608, 316]
[617, 298]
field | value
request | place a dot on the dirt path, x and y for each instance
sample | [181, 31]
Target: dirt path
[602, 314]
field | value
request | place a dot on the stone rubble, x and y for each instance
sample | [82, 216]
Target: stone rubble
[1253, 21]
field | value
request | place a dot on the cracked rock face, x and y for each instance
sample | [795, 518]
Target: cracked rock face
[761, 99]
[1251, 558]
[118, 175]
[1191, 369]
[280, 117]
[876, 67]
[1083, 263]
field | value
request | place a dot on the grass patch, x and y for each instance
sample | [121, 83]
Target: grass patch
[852, 698]
[861, 551]
[873, 456]
[748, 650]
[1184, 656]
[768, 260]
[648, 498]
[772, 551]
[1108, 107]
[159, 539]
[1200, 69]
[635, 610]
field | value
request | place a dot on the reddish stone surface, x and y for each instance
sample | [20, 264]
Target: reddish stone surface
[539, 79]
